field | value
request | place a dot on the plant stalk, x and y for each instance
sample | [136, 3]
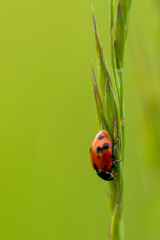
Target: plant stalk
[122, 114]
[113, 64]
[116, 187]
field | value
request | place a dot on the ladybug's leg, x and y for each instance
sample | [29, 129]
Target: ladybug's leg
[114, 163]
[118, 139]
[114, 147]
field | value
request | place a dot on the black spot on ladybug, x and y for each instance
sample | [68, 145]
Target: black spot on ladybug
[106, 146]
[98, 150]
[105, 166]
[100, 137]
[90, 149]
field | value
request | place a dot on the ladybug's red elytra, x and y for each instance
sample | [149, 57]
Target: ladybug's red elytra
[102, 156]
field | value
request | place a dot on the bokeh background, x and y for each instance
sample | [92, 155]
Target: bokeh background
[48, 189]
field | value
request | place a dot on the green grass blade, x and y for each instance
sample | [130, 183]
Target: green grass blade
[113, 5]
[108, 96]
[103, 73]
[121, 19]
[100, 106]
[111, 112]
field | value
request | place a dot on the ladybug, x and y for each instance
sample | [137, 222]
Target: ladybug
[102, 156]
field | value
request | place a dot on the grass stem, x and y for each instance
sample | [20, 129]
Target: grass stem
[113, 64]
[122, 114]
[116, 187]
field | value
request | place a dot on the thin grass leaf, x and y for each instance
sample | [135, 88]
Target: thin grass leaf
[111, 112]
[121, 19]
[100, 106]
[108, 96]
[113, 12]
[103, 73]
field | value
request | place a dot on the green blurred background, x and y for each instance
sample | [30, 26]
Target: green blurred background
[48, 189]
